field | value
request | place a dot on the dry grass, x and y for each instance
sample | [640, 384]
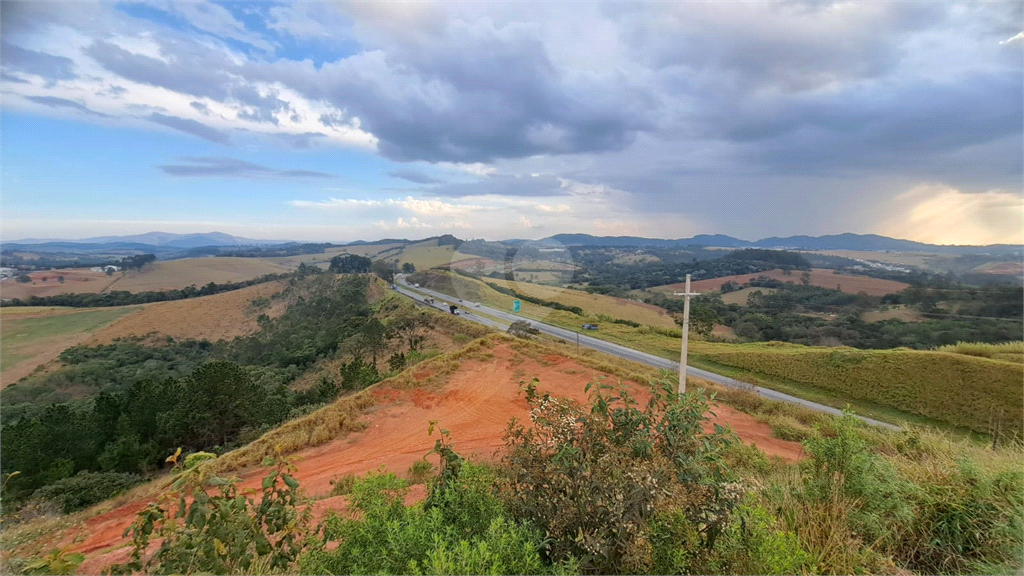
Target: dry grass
[29, 341]
[592, 304]
[47, 283]
[823, 277]
[1009, 351]
[740, 296]
[220, 316]
[177, 274]
[900, 313]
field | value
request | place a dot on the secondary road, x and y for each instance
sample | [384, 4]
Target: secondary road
[441, 300]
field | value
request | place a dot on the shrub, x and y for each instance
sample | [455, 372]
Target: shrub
[592, 479]
[225, 533]
[420, 471]
[464, 531]
[86, 488]
[752, 543]
[342, 486]
[522, 329]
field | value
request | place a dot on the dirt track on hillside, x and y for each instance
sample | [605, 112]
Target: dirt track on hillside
[474, 404]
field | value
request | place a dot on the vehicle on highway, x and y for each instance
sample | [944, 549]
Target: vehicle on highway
[590, 326]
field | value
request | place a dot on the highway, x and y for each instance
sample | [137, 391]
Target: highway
[609, 348]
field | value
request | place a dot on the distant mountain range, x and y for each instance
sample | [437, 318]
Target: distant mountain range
[169, 242]
[165, 239]
[863, 242]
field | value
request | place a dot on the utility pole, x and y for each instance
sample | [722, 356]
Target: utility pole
[686, 334]
[577, 342]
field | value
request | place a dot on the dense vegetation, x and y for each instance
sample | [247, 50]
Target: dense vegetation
[291, 249]
[599, 272]
[812, 315]
[144, 401]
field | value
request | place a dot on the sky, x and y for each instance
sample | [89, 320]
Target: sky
[337, 121]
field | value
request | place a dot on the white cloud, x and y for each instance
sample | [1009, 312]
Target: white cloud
[1018, 38]
[940, 214]
[475, 168]
[336, 204]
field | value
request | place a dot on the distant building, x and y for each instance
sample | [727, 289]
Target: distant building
[104, 268]
[6, 272]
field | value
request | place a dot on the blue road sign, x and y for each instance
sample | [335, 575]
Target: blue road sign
[516, 305]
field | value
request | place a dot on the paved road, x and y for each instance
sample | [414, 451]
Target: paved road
[611, 348]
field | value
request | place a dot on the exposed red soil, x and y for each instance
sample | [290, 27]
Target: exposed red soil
[474, 405]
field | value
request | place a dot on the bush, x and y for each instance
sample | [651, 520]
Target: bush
[420, 471]
[464, 531]
[86, 488]
[522, 329]
[751, 544]
[591, 479]
[225, 533]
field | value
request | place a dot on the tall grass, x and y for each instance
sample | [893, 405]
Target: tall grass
[1009, 351]
[982, 394]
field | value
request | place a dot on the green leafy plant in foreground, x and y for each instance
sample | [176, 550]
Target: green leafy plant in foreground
[593, 479]
[225, 533]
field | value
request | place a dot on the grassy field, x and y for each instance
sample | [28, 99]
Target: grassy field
[961, 390]
[740, 296]
[29, 341]
[594, 305]
[11, 312]
[898, 313]
[216, 317]
[823, 277]
[1009, 351]
[424, 255]
[177, 274]
[48, 283]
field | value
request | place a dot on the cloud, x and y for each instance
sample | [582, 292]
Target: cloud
[414, 176]
[54, 102]
[1018, 38]
[939, 214]
[48, 66]
[503, 185]
[192, 127]
[211, 166]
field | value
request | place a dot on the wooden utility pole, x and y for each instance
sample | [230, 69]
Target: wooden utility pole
[686, 334]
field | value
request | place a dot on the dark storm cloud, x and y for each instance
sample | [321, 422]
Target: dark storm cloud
[192, 70]
[432, 102]
[414, 176]
[54, 102]
[503, 185]
[217, 166]
[48, 66]
[192, 127]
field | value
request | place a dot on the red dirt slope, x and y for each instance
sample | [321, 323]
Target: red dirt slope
[474, 404]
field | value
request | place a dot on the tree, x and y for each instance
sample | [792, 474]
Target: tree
[350, 264]
[24, 278]
[60, 279]
[384, 270]
[702, 319]
[408, 268]
[805, 278]
[135, 262]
